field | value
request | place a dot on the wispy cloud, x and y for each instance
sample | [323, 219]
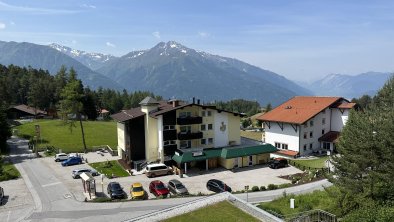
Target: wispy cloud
[2, 26]
[156, 34]
[110, 44]
[88, 6]
[204, 34]
[15, 8]
[12, 23]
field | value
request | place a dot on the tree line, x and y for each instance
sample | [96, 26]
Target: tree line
[39, 89]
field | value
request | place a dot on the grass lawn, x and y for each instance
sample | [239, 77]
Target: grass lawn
[9, 171]
[110, 167]
[252, 135]
[305, 202]
[222, 211]
[314, 163]
[55, 133]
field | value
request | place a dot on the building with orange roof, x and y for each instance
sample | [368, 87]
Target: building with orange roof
[306, 124]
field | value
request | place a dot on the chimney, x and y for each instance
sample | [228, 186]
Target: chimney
[175, 103]
[198, 101]
[194, 100]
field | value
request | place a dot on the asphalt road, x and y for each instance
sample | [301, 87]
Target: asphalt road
[54, 202]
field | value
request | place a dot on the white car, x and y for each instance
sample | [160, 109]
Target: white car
[61, 157]
[76, 173]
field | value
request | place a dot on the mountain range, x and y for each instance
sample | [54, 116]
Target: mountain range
[172, 70]
[349, 86]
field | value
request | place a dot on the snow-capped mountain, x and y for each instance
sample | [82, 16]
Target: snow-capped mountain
[349, 86]
[174, 70]
[92, 60]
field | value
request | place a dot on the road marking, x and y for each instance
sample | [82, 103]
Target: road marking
[51, 184]
[8, 217]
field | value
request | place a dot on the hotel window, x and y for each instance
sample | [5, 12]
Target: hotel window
[310, 146]
[311, 134]
[305, 135]
[304, 147]
[210, 140]
[285, 146]
[185, 144]
[322, 132]
[210, 126]
[209, 113]
[277, 145]
[203, 127]
[203, 141]
[185, 129]
[169, 142]
[169, 127]
[185, 114]
[203, 113]
[306, 125]
[323, 121]
[311, 123]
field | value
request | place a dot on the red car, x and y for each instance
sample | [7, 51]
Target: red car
[158, 189]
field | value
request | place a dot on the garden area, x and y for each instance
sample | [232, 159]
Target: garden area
[222, 211]
[111, 169]
[55, 133]
[8, 171]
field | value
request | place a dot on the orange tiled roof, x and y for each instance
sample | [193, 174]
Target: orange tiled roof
[346, 105]
[299, 109]
[287, 153]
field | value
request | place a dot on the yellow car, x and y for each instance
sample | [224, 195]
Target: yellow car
[137, 191]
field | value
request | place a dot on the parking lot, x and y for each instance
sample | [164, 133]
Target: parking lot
[195, 180]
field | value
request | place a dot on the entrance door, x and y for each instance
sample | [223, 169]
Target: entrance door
[250, 160]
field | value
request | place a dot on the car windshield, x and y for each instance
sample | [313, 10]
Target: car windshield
[137, 189]
[179, 186]
[160, 186]
[116, 186]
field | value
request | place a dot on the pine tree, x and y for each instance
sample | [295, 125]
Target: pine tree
[365, 166]
[5, 130]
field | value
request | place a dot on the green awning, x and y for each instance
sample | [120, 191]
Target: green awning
[226, 153]
[186, 157]
[233, 152]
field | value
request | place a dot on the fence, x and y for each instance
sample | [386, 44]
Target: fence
[312, 216]
[106, 147]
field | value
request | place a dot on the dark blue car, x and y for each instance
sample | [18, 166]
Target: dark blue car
[72, 161]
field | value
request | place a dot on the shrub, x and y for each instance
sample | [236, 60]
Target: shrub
[285, 185]
[102, 199]
[272, 186]
[262, 188]
[255, 188]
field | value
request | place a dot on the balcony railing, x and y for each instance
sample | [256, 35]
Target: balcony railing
[189, 120]
[169, 135]
[189, 135]
[169, 150]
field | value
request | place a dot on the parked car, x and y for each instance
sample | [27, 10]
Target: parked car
[158, 189]
[72, 161]
[217, 186]
[157, 169]
[76, 173]
[278, 163]
[115, 191]
[176, 187]
[61, 157]
[137, 191]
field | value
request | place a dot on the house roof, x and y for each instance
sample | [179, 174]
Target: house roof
[149, 101]
[331, 137]
[29, 110]
[299, 109]
[345, 105]
[289, 153]
[128, 114]
[226, 153]
[232, 152]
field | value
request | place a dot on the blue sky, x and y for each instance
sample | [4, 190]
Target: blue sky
[301, 40]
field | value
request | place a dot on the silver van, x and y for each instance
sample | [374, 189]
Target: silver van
[157, 169]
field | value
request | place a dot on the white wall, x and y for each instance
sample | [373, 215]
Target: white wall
[317, 128]
[221, 137]
[121, 138]
[339, 119]
[160, 132]
[288, 136]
